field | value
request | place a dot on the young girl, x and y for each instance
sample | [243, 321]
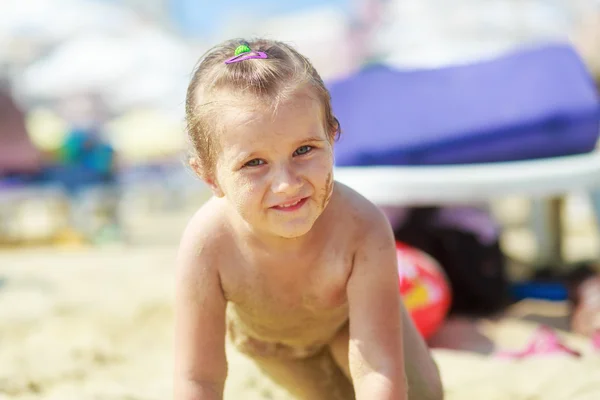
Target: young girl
[299, 272]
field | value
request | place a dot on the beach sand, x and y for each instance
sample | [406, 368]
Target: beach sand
[95, 324]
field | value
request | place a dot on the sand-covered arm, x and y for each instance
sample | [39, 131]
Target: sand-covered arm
[388, 359]
[200, 361]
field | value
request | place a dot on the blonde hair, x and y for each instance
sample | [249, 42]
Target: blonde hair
[272, 79]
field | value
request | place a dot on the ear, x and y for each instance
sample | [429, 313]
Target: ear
[214, 186]
[208, 178]
[336, 132]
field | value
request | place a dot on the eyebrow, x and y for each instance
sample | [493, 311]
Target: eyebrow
[241, 157]
[312, 139]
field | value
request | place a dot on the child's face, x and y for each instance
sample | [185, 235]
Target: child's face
[276, 168]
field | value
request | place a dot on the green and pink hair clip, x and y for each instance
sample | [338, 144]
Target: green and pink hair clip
[243, 52]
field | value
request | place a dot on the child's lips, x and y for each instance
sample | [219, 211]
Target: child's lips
[292, 205]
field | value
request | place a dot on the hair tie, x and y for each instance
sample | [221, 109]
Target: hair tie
[243, 52]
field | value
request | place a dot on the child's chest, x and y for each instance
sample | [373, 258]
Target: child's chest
[287, 287]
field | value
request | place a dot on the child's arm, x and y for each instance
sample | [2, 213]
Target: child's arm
[380, 362]
[200, 363]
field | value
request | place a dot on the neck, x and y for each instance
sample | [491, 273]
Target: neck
[273, 244]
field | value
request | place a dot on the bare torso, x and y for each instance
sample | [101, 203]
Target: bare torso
[291, 305]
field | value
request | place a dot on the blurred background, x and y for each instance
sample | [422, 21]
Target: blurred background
[115, 73]
[95, 192]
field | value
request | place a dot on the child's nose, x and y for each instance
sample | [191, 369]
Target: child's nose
[285, 181]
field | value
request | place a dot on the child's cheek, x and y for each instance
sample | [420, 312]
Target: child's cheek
[327, 191]
[323, 168]
[321, 176]
[247, 189]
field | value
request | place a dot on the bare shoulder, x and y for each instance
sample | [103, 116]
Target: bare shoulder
[363, 217]
[203, 239]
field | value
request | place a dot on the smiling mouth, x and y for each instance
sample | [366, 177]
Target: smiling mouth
[292, 206]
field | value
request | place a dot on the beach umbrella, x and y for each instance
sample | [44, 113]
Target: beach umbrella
[86, 63]
[112, 66]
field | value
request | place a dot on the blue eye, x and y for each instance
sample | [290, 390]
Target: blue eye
[254, 163]
[303, 150]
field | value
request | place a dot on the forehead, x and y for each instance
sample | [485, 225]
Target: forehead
[244, 120]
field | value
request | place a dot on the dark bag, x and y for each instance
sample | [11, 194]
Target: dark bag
[465, 241]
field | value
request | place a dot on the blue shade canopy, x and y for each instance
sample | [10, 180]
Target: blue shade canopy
[532, 103]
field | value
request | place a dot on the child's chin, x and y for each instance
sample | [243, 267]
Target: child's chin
[294, 231]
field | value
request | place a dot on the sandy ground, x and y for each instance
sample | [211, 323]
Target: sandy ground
[96, 324]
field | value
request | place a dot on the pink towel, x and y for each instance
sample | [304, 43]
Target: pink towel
[544, 341]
